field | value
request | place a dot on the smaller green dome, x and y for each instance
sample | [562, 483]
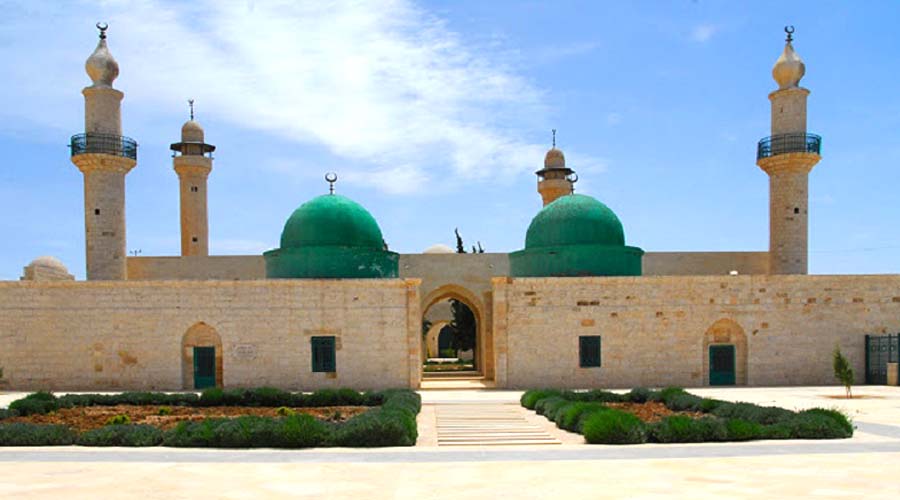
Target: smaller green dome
[575, 219]
[331, 220]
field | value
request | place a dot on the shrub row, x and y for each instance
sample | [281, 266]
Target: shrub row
[584, 412]
[391, 424]
[39, 403]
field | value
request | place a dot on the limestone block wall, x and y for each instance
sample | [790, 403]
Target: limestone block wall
[130, 335]
[656, 331]
[704, 263]
[197, 267]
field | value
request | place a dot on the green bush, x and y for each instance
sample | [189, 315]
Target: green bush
[572, 416]
[682, 429]
[530, 398]
[24, 434]
[122, 435]
[665, 395]
[639, 395]
[128, 398]
[5, 413]
[554, 401]
[284, 411]
[742, 430]
[377, 427]
[614, 427]
[684, 402]
[765, 415]
[813, 424]
[707, 405]
[837, 415]
[118, 420]
[164, 411]
[38, 403]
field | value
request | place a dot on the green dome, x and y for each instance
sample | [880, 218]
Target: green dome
[575, 219]
[331, 237]
[576, 235]
[331, 220]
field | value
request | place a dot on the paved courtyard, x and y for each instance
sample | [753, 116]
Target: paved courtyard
[499, 450]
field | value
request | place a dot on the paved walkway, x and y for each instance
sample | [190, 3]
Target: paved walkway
[866, 466]
[487, 424]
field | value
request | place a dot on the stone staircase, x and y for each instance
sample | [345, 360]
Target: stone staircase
[466, 424]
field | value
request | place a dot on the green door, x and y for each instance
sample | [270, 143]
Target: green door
[204, 367]
[721, 365]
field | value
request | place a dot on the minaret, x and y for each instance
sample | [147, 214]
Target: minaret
[555, 179]
[192, 159]
[788, 156]
[104, 156]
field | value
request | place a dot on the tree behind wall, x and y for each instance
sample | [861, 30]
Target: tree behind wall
[463, 322]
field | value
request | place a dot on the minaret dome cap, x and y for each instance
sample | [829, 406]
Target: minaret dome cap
[789, 68]
[554, 159]
[192, 131]
[101, 66]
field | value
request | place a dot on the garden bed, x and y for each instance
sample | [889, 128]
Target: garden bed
[237, 418]
[675, 416]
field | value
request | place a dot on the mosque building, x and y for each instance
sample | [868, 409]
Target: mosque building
[333, 307]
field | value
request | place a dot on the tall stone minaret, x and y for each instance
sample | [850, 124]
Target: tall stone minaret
[192, 159]
[104, 156]
[788, 156]
[555, 179]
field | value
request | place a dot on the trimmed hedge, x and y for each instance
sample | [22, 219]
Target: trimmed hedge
[121, 435]
[614, 427]
[25, 434]
[391, 423]
[585, 412]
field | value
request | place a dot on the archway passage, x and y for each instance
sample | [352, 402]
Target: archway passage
[450, 328]
[201, 358]
[725, 354]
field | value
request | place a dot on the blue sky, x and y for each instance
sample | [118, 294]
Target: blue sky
[436, 114]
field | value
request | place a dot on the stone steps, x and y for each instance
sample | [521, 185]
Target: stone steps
[487, 425]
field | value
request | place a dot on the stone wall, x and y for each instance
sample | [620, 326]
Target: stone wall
[656, 331]
[219, 267]
[704, 263]
[132, 334]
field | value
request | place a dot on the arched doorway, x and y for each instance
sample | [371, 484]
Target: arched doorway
[455, 315]
[725, 354]
[201, 357]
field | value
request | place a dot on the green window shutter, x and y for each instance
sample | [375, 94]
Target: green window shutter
[589, 351]
[323, 354]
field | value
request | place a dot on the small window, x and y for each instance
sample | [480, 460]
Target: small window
[323, 354]
[96, 211]
[589, 351]
[193, 189]
[194, 239]
[796, 210]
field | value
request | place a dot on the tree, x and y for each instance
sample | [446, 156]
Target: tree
[842, 370]
[426, 325]
[463, 322]
[460, 248]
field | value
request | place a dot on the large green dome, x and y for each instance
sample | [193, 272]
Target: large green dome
[576, 235]
[575, 219]
[331, 237]
[331, 220]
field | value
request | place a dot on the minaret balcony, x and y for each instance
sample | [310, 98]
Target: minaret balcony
[788, 143]
[110, 144]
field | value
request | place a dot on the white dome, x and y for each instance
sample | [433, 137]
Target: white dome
[49, 262]
[439, 248]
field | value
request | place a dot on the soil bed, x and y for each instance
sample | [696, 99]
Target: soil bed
[86, 418]
[651, 411]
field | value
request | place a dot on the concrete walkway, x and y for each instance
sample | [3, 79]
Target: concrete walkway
[866, 466]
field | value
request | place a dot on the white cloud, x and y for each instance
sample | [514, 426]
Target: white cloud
[703, 32]
[384, 84]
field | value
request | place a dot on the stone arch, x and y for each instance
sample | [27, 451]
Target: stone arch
[431, 339]
[199, 335]
[484, 356]
[723, 332]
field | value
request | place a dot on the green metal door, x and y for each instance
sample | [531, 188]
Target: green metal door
[721, 365]
[204, 367]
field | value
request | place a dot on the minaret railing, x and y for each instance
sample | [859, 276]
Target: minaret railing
[109, 144]
[788, 143]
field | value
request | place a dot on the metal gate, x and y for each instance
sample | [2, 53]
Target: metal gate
[880, 350]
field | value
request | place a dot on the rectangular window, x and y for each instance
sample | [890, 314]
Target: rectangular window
[589, 351]
[323, 356]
